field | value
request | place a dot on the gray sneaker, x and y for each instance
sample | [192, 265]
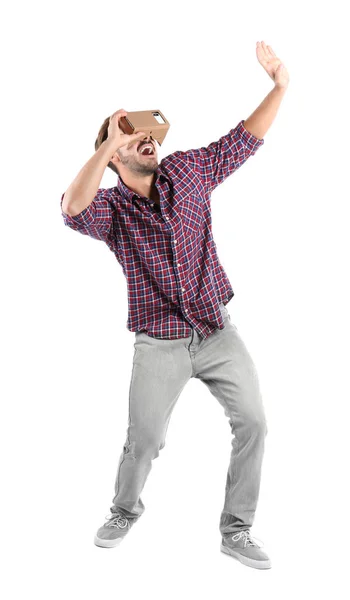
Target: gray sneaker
[113, 531]
[241, 546]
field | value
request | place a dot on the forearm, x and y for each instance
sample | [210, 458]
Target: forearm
[262, 118]
[83, 188]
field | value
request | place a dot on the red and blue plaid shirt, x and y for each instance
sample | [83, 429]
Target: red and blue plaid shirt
[168, 255]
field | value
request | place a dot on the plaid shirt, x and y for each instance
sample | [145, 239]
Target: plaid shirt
[168, 255]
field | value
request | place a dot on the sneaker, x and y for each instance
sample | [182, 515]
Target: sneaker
[113, 531]
[240, 545]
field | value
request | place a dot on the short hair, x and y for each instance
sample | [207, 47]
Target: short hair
[101, 137]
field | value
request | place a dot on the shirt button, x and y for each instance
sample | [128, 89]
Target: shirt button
[175, 242]
[167, 218]
[178, 264]
[186, 309]
[183, 289]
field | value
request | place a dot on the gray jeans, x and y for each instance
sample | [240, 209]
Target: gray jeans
[161, 369]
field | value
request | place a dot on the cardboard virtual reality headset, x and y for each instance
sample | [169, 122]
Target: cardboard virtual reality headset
[152, 122]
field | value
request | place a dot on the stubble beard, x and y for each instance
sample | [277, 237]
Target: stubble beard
[145, 168]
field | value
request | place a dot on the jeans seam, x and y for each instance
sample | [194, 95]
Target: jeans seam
[234, 477]
[129, 423]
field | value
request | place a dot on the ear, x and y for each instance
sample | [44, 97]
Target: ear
[116, 157]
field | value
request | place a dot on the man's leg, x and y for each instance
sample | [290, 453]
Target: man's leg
[161, 368]
[224, 364]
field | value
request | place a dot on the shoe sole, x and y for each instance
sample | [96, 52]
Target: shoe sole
[107, 543]
[249, 562]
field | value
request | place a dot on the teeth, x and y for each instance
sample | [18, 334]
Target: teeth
[145, 148]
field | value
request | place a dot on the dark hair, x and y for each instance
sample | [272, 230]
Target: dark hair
[102, 136]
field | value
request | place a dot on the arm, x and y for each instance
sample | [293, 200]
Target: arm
[82, 190]
[95, 219]
[262, 118]
[221, 158]
[85, 206]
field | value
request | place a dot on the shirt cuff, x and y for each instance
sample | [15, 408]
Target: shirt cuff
[250, 140]
[85, 217]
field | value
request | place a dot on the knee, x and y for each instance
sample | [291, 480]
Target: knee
[146, 444]
[256, 425]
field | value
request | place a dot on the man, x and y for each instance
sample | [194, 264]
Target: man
[157, 221]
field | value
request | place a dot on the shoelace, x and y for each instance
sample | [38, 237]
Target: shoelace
[116, 520]
[246, 536]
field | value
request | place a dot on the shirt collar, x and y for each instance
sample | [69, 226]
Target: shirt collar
[124, 190]
[129, 194]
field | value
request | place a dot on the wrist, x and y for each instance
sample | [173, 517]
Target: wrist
[110, 145]
[281, 88]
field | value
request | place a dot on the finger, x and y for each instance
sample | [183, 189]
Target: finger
[264, 47]
[268, 49]
[118, 118]
[136, 136]
[119, 113]
[261, 51]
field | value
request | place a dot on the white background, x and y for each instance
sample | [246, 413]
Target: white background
[281, 228]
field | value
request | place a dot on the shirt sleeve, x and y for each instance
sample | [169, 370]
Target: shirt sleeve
[96, 220]
[221, 158]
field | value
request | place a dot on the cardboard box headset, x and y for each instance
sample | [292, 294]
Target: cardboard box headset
[152, 122]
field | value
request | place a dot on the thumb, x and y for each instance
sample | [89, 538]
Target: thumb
[140, 134]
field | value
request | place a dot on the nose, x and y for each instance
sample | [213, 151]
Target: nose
[149, 138]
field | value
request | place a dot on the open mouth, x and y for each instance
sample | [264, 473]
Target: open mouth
[146, 149]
